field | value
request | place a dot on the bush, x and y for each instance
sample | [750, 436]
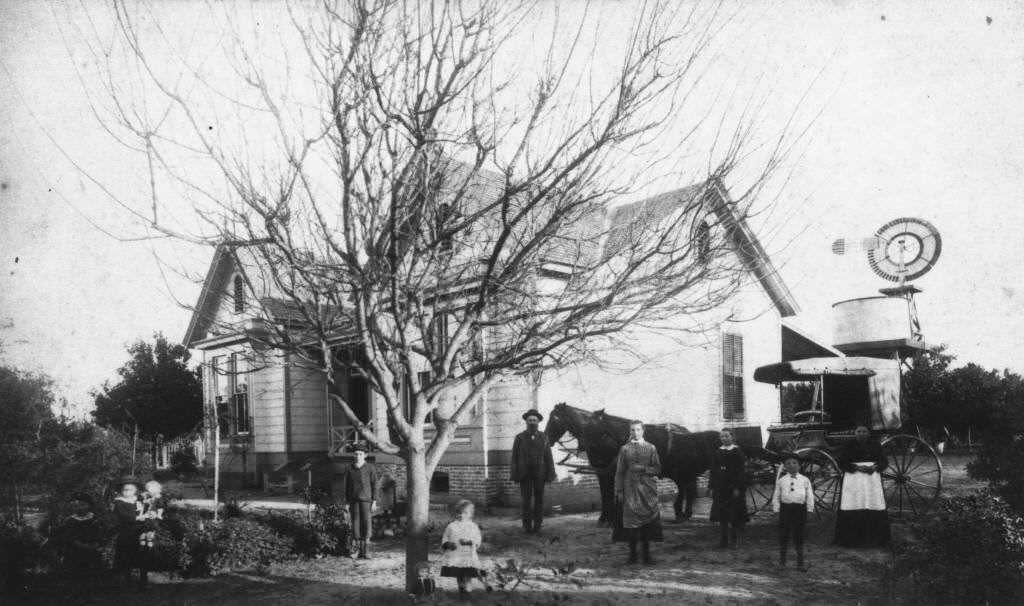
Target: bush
[970, 551]
[240, 544]
[324, 533]
[191, 544]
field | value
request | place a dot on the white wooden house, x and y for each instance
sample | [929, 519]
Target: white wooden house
[277, 417]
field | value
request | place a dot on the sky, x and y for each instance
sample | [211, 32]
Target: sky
[910, 109]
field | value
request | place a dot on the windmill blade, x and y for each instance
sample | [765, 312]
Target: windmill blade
[842, 246]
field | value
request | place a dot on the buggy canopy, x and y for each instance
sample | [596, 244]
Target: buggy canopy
[878, 384]
[812, 368]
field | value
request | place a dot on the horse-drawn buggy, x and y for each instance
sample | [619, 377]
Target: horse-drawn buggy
[841, 393]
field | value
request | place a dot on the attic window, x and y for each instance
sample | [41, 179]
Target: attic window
[702, 242]
[445, 216]
[239, 294]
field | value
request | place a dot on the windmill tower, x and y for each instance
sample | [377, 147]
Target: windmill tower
[888, 326]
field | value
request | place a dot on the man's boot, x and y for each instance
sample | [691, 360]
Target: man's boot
[632, 552]
[732, 538]
[800, 560]
[646, 547]
[362, 550]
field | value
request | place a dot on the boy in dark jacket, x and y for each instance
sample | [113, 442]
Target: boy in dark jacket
[359, 491]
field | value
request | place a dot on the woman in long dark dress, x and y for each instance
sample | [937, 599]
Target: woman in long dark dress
[863, 520]
[726, 484]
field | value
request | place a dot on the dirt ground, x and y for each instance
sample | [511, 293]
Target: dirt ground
[574, 563]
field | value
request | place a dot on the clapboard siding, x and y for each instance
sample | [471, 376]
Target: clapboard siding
[308, 409]
[266, 393]
[506, 403]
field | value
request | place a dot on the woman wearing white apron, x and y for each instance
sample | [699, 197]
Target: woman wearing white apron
[863, 520]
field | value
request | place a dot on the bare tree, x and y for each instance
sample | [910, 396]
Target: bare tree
[427, 192]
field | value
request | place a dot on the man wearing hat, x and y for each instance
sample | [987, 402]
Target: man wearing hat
[532, 467]
[359, 491]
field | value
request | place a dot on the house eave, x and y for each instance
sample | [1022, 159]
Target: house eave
[219, 341]
[753, 255]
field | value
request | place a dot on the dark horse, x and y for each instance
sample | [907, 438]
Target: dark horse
[684, 455]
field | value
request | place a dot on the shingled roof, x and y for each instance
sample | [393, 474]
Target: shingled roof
[632, 221]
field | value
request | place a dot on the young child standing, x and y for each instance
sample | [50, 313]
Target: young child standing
[793, 499]
[82, 537]
[128, 512]
[460, 541]
[153, 506]
[727, 484]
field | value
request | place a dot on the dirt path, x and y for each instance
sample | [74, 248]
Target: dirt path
[574, 563]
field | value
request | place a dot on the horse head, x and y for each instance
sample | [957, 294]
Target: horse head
[558, 423]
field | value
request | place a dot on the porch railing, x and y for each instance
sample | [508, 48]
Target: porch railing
[343, 436]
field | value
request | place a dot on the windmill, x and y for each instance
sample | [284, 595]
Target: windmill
[903, 249]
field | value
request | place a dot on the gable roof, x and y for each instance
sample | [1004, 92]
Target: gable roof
[625, 222]
[629, 221]
[202, 315]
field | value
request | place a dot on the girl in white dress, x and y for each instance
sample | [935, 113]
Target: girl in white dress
[459, 543]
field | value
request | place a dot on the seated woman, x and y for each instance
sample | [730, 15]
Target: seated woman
[863, 520]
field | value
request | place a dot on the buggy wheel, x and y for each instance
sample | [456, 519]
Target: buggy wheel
[913, 480]
[826, 478]
[761, 472]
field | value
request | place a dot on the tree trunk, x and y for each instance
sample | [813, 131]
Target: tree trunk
[417, 545]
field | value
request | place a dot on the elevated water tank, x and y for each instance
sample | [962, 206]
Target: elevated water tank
[870, 320]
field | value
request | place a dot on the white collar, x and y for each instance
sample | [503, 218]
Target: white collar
[729, 447]
[640, 441]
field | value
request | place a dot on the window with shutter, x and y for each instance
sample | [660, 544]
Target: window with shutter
[732, 376]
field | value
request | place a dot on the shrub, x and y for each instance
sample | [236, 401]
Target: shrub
[970, 551]
[243, 543]
[324, 533]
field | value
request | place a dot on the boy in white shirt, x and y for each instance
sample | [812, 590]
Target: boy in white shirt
[793, 500]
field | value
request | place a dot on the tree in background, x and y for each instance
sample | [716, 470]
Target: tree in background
[26, 410]
[1000, 460]
[987, 403]
[158, 394]
[939, 399]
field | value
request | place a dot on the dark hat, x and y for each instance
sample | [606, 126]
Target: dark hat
[83, 497]
[129, 480]
[360, 446]
[533, 413]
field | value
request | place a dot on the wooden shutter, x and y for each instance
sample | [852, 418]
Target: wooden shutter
[732, 376]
